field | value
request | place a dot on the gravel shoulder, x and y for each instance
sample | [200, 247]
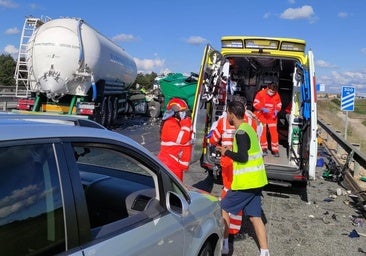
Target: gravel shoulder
[301, 221]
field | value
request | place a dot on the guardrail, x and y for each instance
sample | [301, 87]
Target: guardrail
[349, 148]
[8, 100]
[354, 160]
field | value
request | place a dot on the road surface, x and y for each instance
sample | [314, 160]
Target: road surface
[300, 221]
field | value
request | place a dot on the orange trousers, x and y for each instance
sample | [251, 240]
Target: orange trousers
[227, 178]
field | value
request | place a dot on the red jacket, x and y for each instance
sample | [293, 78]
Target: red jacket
[175, 144]
[271, 103]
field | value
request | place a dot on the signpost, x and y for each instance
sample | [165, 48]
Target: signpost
[347, 103]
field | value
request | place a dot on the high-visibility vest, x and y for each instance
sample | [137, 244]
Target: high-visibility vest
[251, 174]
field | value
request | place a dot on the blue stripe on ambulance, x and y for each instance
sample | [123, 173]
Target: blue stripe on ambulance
[305, 94]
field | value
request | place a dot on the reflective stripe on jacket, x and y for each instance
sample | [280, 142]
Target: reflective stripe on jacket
[176, 141]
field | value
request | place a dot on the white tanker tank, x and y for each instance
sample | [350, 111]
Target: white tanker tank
[66, 57]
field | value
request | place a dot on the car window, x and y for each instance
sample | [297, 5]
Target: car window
[31, 212]
[104, 157]
[117, 186]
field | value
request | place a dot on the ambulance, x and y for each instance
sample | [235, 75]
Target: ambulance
[244, 66]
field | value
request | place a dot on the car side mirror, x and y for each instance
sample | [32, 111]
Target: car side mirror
[176, 204]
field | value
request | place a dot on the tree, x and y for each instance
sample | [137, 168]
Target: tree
[7, 70]
[146, 80]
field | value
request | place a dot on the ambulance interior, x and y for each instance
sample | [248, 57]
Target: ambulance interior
[249, 75]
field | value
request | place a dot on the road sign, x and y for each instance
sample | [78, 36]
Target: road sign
[348, 98]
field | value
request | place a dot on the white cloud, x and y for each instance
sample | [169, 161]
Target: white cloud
[149, 65]
[11, 49]
[342, 14]
[324, 64]
[304, 12]
[19, 199]
[196, 40]
[12, 31]
[124, 38]
[335, 80]
[8, 4]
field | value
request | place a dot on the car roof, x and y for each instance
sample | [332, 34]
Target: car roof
[22, 127]
[47, 118]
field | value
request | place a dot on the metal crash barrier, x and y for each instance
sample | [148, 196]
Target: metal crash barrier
[349, 161]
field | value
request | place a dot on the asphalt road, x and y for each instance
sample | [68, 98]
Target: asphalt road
[311, 220]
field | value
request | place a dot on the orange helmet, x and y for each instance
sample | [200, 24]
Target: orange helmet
[177, 104]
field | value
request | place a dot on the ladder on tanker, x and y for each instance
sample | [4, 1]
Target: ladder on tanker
[21, 76]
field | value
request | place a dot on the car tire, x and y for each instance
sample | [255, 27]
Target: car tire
[206, 249]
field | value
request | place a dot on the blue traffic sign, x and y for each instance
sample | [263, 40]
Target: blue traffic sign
[348, 98]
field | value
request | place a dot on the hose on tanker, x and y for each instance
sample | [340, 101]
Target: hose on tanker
[94, 88]
[81, 55]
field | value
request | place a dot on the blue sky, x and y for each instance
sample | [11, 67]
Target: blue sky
[169, 36]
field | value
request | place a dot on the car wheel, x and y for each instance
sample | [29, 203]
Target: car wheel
[206, 249]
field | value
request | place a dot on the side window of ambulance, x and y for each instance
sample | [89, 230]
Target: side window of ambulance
[31, 213]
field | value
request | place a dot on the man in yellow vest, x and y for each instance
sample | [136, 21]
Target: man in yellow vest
[249, 177]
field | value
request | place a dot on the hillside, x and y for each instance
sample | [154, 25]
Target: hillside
[329, 112]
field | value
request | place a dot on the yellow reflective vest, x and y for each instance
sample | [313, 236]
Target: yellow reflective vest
[251, 174]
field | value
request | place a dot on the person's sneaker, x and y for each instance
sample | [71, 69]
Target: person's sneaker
[276, 154]
[264, 253]
[225, 251]
[265, 152]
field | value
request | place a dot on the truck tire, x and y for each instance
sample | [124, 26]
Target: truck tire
[103, 112]
[154, 109]
[109, 111]
[99, 115]
[114, 111]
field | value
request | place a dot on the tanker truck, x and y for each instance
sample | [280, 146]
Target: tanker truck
[72, 69]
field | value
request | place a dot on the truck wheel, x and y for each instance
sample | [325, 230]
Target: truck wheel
[154, 109]
[109, 112]
[114, 111]
[103, 112]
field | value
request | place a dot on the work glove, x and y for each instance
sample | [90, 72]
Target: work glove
[265, 110]
[209, 134]
[275, 113]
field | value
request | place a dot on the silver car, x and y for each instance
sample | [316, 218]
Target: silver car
[76, 190]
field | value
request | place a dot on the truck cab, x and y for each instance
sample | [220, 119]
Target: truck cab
[244, 66]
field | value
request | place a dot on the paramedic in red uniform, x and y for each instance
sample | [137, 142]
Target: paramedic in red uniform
[222, 133]
[176, 137]
[267, 104]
